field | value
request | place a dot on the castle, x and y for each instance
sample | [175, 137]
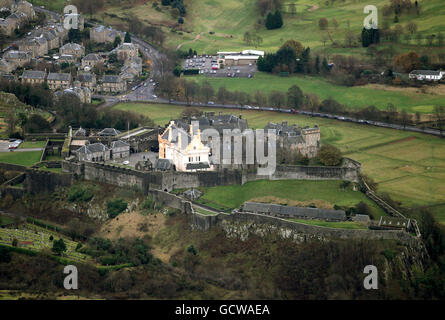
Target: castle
[184, 149]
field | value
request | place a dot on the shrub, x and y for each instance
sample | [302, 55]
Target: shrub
[79, 194]
[115, 207]
[329, 155]
[148, 203]
[191, 249]
[59, 247]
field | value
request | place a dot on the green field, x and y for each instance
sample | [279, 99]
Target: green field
[408, 166]
[341, 225]
[328, 192]
[353, 97]
[32, 145]
[26, 158]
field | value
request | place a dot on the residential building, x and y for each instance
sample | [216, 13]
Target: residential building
[91, 60]
[59, 80]
[127, 51]
[33, 77]
[73, 49]
[103, 34]
[96, 152]
[427, 75]
[87, 80]
[6, 66]
[37, 46]
[112, 84]
[120, 149]
[84, 94]
[18, 58]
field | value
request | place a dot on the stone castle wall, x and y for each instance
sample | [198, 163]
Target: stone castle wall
[242, 225]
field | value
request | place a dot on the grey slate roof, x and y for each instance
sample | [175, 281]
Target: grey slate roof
[30, 74]
[425, 72]
[92, 57]
[294, 212]
[109, 132]
[119, 144]
[111, 79]
[92, 148]
[59, 76]
[85, 77]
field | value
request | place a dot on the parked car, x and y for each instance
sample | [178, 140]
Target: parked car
[211, 102]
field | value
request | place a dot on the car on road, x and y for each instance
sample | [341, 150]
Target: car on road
[126, 162]
[211, 102]
[155, 96]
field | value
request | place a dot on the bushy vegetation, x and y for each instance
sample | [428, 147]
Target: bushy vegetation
[115, 207]
[79, 193]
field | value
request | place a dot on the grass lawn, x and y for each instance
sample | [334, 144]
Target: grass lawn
[326, 192]
[32, 145]
[203, 211]
[408, 166]
[337, 225]
[4, 220]
[21, 158]
[353, 97]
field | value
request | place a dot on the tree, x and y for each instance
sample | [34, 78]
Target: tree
[117, 41]
[411, 27]
[294, 97]
[296, 46]
[256, 40]
[323, 23]
[439, 115]
[408, 61]
[274, 20]
[59, 247]
[277, 99]
[222, 94]
[292, 8]
[329, 155]
[207, 91]
[127, 38]
[190, 113]
[404, 118]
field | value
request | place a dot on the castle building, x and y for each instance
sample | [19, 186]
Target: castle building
[304, 140]
[184, 149]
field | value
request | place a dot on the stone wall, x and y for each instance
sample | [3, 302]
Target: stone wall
[39, 181]
[120, 177]
[242, 225]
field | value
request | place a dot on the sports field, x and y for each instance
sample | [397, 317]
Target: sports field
[408, 166]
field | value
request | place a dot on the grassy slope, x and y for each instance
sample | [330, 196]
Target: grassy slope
[410, 167]
[229, 19]
[354, 97]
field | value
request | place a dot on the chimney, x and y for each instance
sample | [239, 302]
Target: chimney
[191, 130]
[169, 134]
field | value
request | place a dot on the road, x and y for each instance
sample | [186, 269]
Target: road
[145, 91]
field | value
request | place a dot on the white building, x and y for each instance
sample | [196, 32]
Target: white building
[426, 75]
[184, 148]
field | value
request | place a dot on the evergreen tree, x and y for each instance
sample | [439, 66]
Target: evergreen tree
[127, 38]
